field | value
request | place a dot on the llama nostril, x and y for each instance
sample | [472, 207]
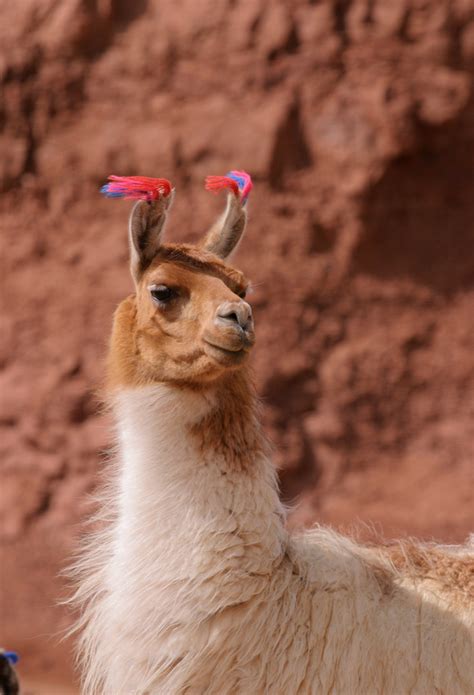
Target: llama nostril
[235, 313]
[232, 317]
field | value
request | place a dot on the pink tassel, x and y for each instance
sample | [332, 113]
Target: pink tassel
[136, 187]
[235, 181]
[221, 183]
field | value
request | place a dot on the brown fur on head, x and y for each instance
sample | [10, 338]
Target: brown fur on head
[187, 322]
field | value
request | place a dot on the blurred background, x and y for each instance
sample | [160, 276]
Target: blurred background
[356, 120]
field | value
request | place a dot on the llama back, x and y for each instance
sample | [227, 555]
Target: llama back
[387, 625]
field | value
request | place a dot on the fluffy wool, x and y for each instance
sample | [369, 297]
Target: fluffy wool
[198, 588]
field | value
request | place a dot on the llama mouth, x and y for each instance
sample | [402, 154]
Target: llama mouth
[226, 354]
[229, 349]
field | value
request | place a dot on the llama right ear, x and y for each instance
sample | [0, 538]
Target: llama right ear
[147, 220]
[145, 231]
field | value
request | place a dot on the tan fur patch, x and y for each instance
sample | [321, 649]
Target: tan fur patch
[453, 572]
[231, 430]
[384, 578]
[122, 362]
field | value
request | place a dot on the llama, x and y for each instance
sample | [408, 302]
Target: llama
[192, 583]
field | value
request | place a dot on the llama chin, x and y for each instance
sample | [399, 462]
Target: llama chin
[193, 584]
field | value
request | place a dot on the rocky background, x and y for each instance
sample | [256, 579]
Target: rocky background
[356, 121]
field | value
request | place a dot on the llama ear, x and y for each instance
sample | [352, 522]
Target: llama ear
[148, 217]
[224, 235]
[146, 226]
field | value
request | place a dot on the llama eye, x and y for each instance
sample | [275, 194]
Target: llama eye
[162, 294]
[242, 295]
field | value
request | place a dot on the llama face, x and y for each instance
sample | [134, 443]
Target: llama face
[192, 323]
[188, 322]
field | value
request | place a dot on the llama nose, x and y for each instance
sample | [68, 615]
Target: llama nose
[235, 313]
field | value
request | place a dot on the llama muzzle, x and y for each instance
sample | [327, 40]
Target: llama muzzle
[231, 332]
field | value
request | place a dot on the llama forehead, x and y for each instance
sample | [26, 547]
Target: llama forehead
[187, 264]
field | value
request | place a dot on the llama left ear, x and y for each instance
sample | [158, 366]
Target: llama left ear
[147, 220]
[224, 235]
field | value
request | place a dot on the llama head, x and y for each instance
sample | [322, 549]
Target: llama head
[188, 321]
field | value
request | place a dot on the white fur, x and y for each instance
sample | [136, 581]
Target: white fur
[196, 586]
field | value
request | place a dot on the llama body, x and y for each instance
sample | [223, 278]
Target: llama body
[195, 585]
[201, 590]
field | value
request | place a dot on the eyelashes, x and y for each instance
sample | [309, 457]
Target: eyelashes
[162, 294]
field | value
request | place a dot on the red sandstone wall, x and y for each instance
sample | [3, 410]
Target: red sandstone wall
[356, 120]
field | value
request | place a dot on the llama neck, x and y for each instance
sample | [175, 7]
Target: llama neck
[198, 498]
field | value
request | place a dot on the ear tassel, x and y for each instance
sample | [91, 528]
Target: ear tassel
[136, 187]
[147, 188]
[234, 181]
[221, 183]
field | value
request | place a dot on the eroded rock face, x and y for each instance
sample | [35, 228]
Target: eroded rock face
[356, 120]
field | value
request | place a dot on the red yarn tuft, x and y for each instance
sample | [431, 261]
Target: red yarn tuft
[136, 187]
[221, 183]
